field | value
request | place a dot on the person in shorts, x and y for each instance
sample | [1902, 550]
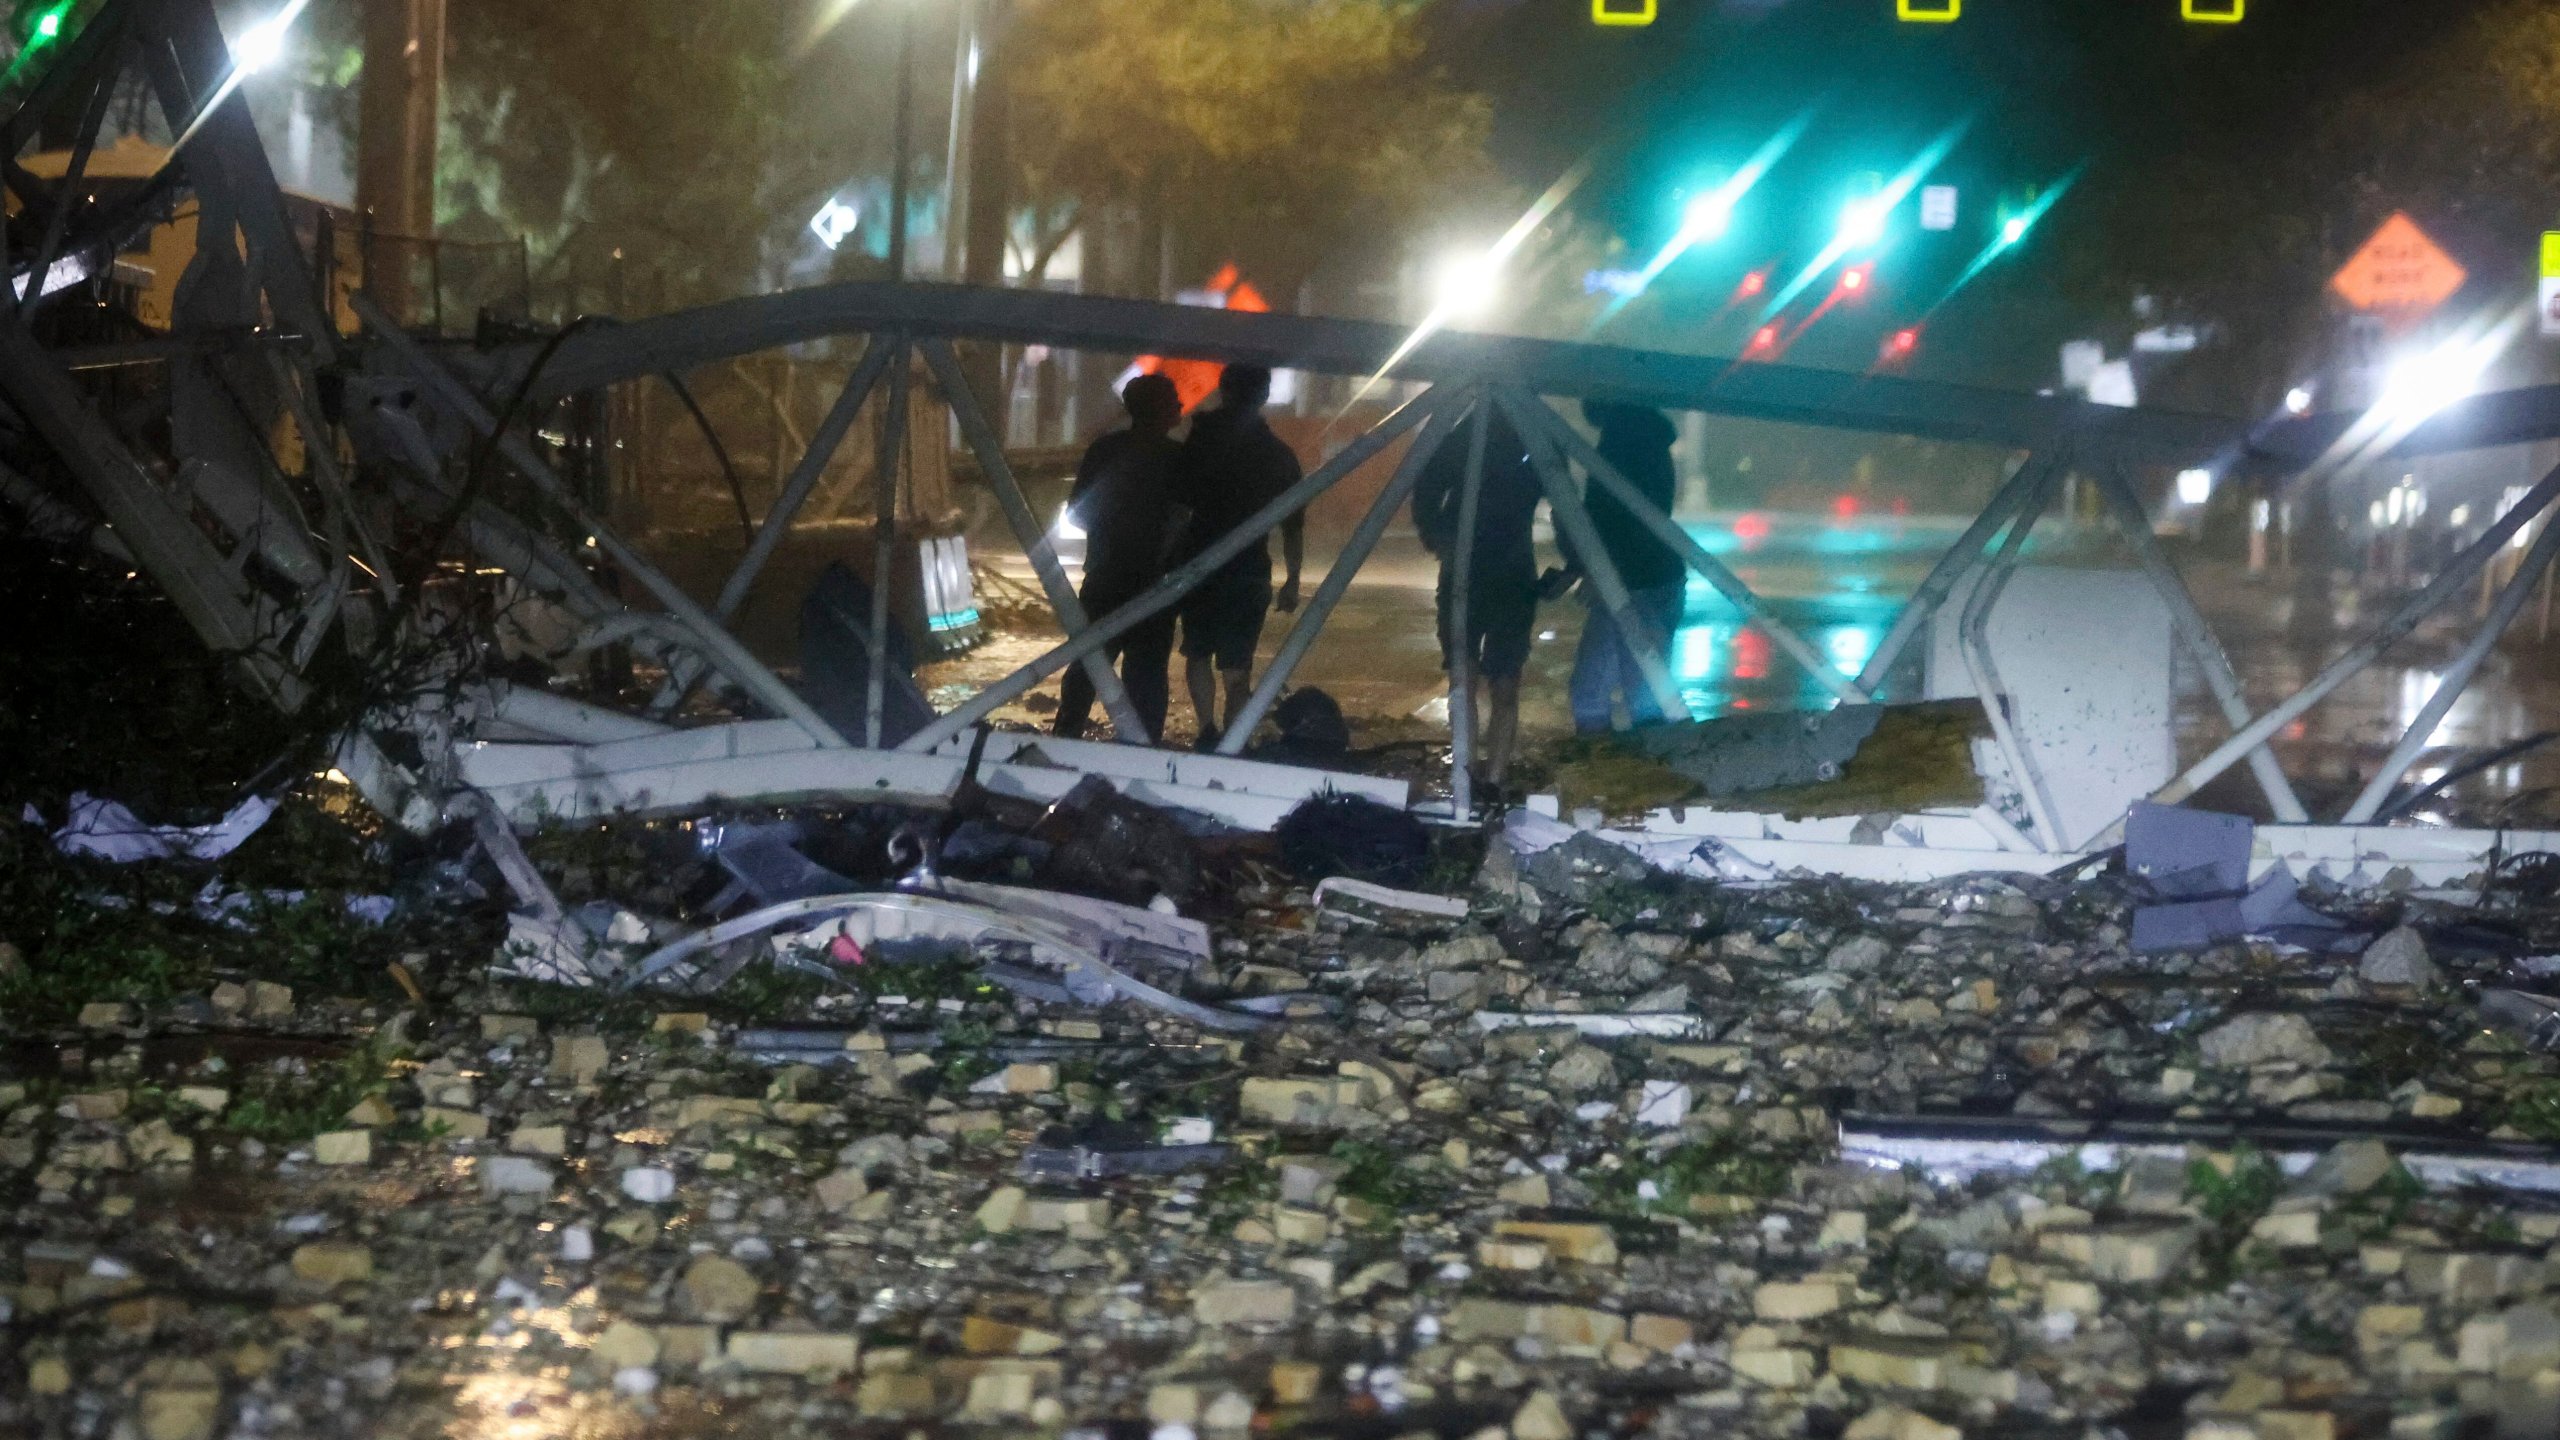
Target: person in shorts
[1503, 584]
[1230, 468]
[1123, 499]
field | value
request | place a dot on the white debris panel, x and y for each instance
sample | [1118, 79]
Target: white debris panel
[774, 762]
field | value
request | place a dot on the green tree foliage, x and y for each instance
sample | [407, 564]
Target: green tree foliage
[1276, 133]
[663, 129]
[2245, 228]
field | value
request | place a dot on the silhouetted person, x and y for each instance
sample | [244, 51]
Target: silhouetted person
[1123, 497]
[1502, 574]
[1231, 467]
[2314, 551]
[1637, 441]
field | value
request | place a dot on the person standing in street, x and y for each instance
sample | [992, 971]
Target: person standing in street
[1503, 586]
[1123, 497]
[1231, 467]
[1637, 441]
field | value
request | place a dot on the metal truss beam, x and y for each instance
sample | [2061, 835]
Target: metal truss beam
[1881, 403]
[1185, 578]
[2448, 586]
[2193, 630]
[716, 643]
[1573, 525]
[1959, 558]
[1338, 577]
[1129, 727]
[1755, 611]
[1456, 638]
[2457, 677]
[162, 536]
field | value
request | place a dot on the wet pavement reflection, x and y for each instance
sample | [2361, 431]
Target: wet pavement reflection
[1840, 581]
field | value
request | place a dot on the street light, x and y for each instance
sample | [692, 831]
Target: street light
[1465, 284]
[2195, 486]
[261, 45]
[2421, 384]
[2014, 229]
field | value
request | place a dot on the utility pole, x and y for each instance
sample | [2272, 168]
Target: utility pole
[990, 148]
[396, 140]
[955, 159]
[990, 154]
[903, 140]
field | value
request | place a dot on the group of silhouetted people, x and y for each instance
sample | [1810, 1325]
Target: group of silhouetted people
[1148, 504]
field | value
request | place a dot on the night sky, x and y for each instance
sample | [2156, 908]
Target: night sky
[2042, 87]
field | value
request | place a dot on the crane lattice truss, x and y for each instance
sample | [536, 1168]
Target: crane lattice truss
[272, 558]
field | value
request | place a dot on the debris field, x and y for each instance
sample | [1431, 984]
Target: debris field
[1579, 1149]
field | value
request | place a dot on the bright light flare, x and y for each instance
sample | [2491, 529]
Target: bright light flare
[1853, 281]
[2419, 385]
[1708, 217]
[262, 44]
[1752, 284]
[1876, 208]
[2297, 401]
[1862, 222]
[1501, 253]
[48, 28]
[259, 46]
[2195, 486]
[2012, 230]
[1764, 340]
[1464, 285]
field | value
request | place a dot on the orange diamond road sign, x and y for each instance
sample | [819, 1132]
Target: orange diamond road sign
[2398, 269]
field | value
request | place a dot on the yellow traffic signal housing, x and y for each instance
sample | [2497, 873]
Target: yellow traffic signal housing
[2213, 12]
[1928, 12]
[1623, 12]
